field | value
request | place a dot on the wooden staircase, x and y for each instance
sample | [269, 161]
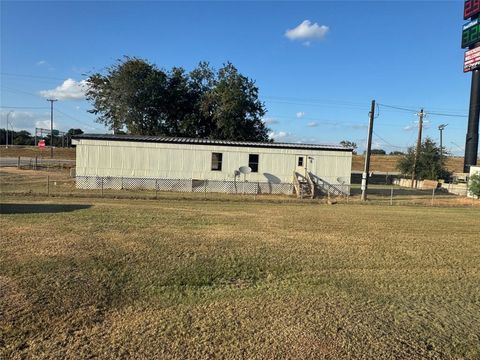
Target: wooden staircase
[303, 185]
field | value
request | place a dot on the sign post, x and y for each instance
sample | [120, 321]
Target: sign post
[471, 39]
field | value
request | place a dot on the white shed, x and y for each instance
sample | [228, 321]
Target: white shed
[185, 164]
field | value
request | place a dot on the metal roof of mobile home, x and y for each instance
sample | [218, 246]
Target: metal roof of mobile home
[195, 141]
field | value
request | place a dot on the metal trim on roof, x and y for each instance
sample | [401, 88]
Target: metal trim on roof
[196, 141]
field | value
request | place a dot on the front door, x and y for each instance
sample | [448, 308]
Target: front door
[301, 164]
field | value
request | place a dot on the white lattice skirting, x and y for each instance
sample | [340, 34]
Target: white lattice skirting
[182, 185]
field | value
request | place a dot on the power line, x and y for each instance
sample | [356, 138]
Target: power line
[30, 76]
[388, 143]
[23, 107]
[75, 119]
[398, 108]
[452, 115]
[21, 91]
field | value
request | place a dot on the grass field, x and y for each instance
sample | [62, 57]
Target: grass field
[32, 151]
[388, 163]
[83, 278]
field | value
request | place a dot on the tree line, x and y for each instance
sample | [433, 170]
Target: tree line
[24, 137]
[137, 97]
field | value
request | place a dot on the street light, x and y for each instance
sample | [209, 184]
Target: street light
[441, 128]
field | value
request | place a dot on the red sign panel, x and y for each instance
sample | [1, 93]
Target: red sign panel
[471, 60]
[41, 144]
[471, 8]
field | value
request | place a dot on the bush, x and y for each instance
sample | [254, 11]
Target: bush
[474, 184]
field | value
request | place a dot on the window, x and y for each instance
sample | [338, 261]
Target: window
[217, 161]
[253, 162]
[300, 161]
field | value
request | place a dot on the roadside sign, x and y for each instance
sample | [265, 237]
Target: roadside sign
[471, 8]
[470, 33]
[41, 144]
[471, 60]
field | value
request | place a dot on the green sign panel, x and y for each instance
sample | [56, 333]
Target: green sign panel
[471, 33]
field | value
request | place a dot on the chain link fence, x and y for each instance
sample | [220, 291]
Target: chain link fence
[59, 183]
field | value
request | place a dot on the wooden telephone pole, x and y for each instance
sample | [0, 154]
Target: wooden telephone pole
[419, 145]
[366, 168]
[51, 125]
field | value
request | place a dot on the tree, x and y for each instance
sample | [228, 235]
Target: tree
[378, 152]
[70, 133]
[23, 137]
[430, 165]
[349, 144]
[131, 96]
[474, 184]
[237, 109]
[396, 153]
[142, 99]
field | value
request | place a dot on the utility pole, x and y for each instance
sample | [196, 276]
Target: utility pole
[441, 128]
[366, 169]
[6, 134]
[419, 144]
[51, 125]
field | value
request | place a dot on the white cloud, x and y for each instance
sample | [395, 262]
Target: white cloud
[27, 120]
[278, 135]
[300, 114]
[270, 121]
[69, 90]
[307, 31]
[409, 127]
[377, 145]
[312, 124]
[41, 62]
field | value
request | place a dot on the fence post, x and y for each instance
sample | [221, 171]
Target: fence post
[102, 186]
[48, 185]
[433, 195]
[36, 162]
[205, 189]
[18, 163]
[156, 189]
[391, 196]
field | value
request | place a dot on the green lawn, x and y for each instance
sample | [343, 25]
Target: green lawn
[84, 278]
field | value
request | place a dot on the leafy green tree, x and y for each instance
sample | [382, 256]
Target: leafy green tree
[474, 184]
[136, 96]
[237, 110]
[70, 133]
[378, 152]
[430, 165]
[23, 137]
[131, 96]
[349, 144]
[396, 153]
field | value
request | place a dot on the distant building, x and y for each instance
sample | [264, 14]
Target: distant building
[185, 164]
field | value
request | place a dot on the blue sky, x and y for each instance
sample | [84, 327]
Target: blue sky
[317, 83]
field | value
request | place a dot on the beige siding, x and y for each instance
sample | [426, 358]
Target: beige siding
[187, 161]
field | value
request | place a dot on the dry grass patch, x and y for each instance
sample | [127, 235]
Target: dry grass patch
[203, 279]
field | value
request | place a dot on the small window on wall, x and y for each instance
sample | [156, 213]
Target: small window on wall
[300, 161]
[253, 162]
[217, 161]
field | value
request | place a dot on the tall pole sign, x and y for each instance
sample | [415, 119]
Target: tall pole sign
[471, 40]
